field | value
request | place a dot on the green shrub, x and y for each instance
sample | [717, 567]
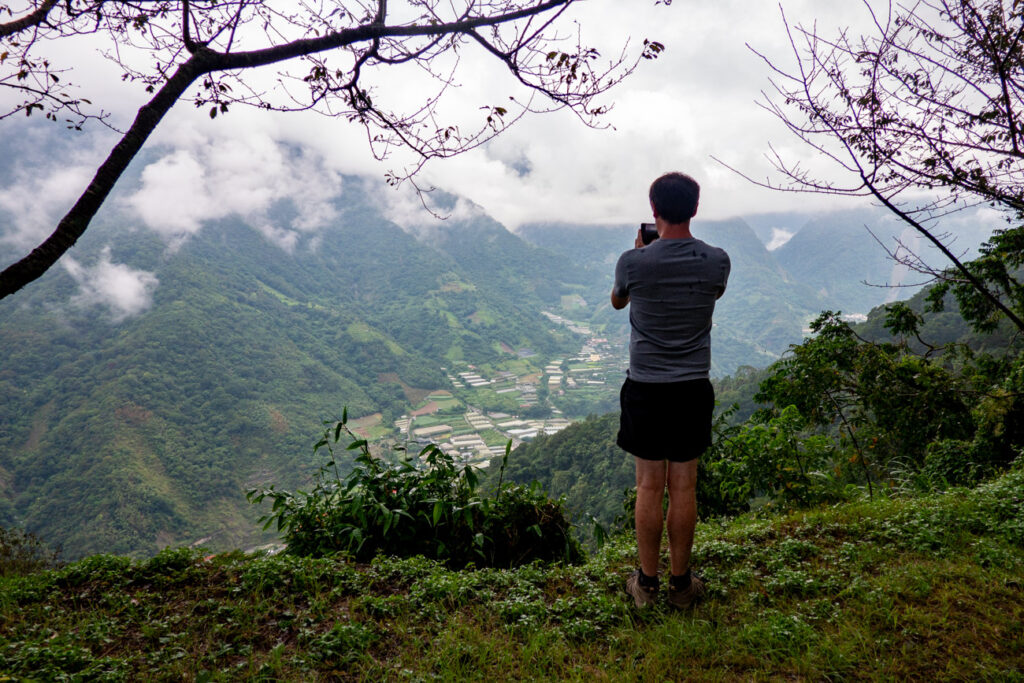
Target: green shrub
[422, 505]
[950, 462]
[1000, 416]
[23, 553]
[777, 459]
[521, 525]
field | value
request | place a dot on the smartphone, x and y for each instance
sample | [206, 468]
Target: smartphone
[648, 233]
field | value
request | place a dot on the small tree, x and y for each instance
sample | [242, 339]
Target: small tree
[328, 53]
[23, 553]
[887, 403]
[926, 115]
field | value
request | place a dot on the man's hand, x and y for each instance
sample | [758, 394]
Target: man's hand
[639, 241]
[619, 303]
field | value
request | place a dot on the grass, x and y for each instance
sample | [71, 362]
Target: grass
[929, 588]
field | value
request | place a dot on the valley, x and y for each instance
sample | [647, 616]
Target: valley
[487, 407]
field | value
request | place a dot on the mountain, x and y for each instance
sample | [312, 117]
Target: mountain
[829, 261]
[145, 385]
[841, 255]
[124, 433]
[145, 422]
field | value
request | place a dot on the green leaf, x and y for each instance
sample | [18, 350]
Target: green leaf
[471, 477]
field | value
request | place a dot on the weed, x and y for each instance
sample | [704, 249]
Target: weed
[343, 644]
[417, 506]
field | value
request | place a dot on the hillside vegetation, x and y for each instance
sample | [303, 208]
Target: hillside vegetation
[862, 520]
[920, 588]
[146, 431]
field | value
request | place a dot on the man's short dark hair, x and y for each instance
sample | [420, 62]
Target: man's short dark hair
[674, 196]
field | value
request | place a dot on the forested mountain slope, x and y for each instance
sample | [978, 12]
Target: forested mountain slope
[123, 433]
[840, 256]
[133, 422]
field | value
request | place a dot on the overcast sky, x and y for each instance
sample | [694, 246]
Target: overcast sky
[696, 101]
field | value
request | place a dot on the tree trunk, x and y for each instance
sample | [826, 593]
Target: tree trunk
[74, 223]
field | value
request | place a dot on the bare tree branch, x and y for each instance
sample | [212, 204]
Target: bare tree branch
[930, 101]
[28, 21]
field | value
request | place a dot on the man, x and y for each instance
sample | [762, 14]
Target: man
[667, 400]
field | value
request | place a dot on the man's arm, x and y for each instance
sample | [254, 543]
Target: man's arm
[725, 275]
[620, 302]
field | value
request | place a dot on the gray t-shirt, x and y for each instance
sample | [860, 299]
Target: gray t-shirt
[672, 285]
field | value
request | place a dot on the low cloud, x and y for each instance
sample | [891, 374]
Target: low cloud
[697, 101]
[421, 214]
[174, 200]
[245, 173]
[34, 204]
[45, 169]
[123, 290]
[779, 237]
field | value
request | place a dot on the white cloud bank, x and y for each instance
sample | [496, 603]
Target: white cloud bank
[123, 290]
[698, 100]
[213, 173]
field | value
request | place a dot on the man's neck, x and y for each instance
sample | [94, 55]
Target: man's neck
[673, 231]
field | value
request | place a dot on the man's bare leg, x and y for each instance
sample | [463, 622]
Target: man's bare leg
[682, 513]
[650, 493]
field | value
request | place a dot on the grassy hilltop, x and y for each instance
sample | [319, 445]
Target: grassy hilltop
[920, 588]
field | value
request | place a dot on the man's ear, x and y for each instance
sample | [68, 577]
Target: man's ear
[695, 207]
[654, 211]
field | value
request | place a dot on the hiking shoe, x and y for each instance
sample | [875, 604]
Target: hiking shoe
[643, 596]
[688, 597]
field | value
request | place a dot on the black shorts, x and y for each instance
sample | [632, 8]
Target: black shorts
[666, 421]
